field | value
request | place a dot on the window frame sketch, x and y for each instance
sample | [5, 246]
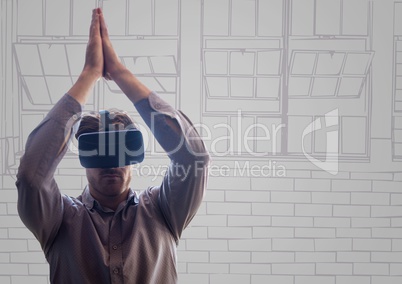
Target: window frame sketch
[351, 81]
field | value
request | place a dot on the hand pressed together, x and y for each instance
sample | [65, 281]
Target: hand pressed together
[94, 62]
[101, 60]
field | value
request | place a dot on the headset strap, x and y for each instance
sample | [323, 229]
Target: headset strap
[105, 119]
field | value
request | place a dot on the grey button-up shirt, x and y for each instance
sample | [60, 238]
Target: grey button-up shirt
[86, 243]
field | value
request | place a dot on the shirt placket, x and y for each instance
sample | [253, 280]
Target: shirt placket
[115, 250]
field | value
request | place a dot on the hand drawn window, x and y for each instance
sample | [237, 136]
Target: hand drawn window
[243, 74]
[43, 82]
[330, 59]
[242, 64]
[287, 62]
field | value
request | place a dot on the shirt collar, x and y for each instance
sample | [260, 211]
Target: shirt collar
[91, 202]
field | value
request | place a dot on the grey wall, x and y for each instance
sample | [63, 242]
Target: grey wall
[298, 101]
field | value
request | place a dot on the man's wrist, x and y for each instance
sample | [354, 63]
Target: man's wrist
[82, 87]
[117, 71]
[89, 75]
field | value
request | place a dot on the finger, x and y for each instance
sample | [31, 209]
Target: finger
[95, 25]
[103, 27]
[92, 23]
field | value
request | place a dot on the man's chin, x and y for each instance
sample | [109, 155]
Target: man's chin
[113, 190]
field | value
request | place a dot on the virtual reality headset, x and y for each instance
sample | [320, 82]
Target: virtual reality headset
[110, 149]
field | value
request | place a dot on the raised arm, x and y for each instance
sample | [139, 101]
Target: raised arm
[40, 204]
[182, 189]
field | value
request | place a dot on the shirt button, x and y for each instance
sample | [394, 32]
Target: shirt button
[116, 271]
[114, 247]
[157, 106]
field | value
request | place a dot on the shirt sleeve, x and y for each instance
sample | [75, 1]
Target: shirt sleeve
[40, 203]
[183, 186]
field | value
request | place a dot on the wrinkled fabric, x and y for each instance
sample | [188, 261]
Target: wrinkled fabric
[86, 243]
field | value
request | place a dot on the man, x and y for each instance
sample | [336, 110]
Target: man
[109, 234]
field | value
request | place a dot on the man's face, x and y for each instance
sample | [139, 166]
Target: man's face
[109, 182]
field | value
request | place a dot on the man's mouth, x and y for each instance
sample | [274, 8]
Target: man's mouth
[110, 174]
